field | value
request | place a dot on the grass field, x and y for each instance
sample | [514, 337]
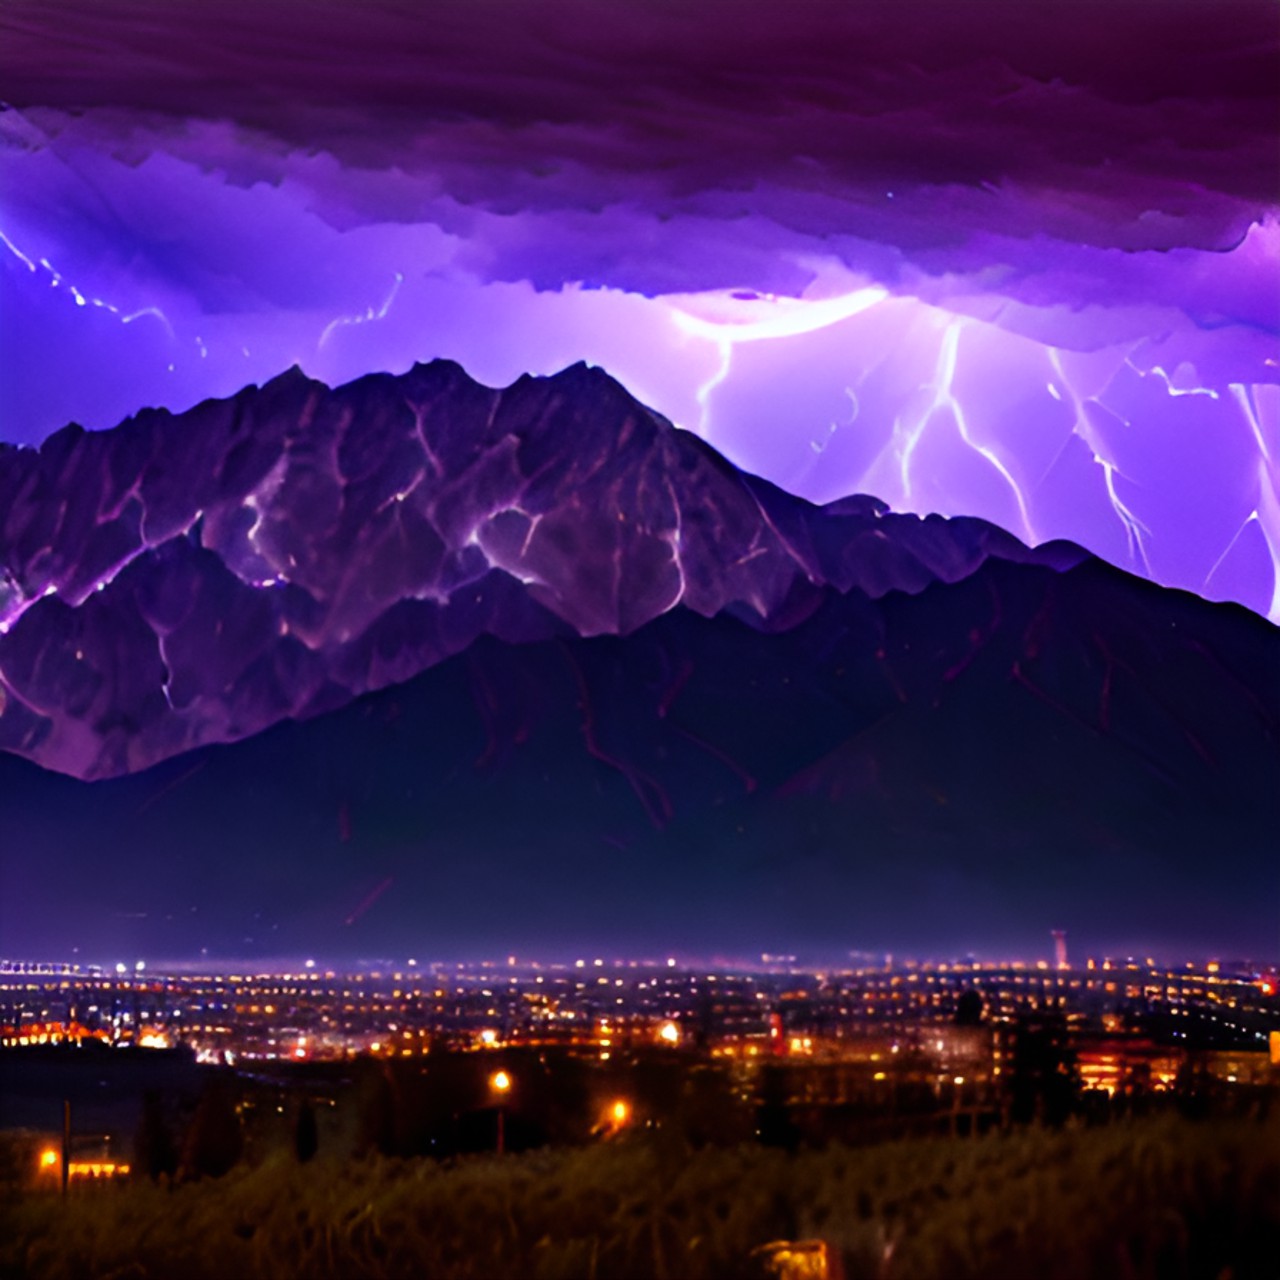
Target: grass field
[1158, 1197]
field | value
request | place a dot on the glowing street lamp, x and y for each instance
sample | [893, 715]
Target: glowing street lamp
[669, 1033]
[619, 1115]
[500, 1084]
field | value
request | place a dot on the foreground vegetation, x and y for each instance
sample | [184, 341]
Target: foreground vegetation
[1161, 1197]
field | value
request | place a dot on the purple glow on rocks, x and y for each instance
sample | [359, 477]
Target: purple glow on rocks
[1016, 272]
[182, 580]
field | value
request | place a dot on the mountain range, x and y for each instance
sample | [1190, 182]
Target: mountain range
[441, 661]
[195, 578]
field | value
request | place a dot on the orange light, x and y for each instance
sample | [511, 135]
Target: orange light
[621, 1112]
[669, 1033]
[48, 1159]
[96, 1169]
[500, 1081]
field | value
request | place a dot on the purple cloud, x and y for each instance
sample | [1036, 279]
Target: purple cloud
[977, 259]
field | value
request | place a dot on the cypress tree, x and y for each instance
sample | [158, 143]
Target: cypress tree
[213, 1142]
[306, 1139]
[154, 1152]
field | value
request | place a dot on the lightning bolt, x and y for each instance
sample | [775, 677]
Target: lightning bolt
[1240, 394]
[17, 253]
[369, 314]
[1267, 512]
[1268, 516]
[725, 320]
[81, 299]
[1168, 382]
[909, 428]
[945, 399]
[1134, 529]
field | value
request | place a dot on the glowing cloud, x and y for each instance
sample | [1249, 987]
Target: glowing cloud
[1024, 266]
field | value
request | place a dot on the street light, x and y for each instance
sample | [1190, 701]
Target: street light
[500, 1083]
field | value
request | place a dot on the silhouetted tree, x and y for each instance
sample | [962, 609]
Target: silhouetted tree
[969, 1009]
[378, 1117]
[154, 1151]
[1043, 1081]
[774, 1124]
[214, 1141]
[306, 1139]
[1193, 1086]
[709, 1113]
[656, 1082]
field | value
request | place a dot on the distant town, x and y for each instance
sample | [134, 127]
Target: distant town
[1130, 1024]
[111, 1073]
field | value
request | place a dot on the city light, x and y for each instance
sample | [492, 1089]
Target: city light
[97, 1169]
[908, 1011]
[791, 483]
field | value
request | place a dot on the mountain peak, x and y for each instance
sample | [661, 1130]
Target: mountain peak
[195, 577]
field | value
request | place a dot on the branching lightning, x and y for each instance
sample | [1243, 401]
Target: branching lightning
[1134, 528]
[727, 320]
[945, 399]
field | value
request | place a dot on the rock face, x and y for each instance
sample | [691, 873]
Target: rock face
[191, 579]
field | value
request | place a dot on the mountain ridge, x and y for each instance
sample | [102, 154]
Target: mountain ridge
[957, 769]
[190, 578]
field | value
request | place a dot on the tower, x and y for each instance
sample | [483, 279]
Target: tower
[1059, 948]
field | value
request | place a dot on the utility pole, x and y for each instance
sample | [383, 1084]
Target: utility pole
[66, 1144]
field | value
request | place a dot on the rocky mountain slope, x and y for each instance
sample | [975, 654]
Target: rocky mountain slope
[195, 578]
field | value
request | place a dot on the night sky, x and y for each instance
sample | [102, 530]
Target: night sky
[1013, 262]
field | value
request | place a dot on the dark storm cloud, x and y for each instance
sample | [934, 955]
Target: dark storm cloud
[1157, 120]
